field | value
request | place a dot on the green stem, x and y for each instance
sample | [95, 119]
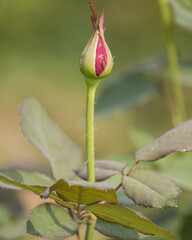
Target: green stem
[90, 229]
[178, 113]
[90, 146]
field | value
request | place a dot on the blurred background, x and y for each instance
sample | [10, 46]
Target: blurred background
[40, 46]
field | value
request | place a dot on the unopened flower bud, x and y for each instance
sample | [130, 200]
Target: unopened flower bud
[96, 60]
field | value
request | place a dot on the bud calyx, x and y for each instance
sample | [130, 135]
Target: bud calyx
[96, 60]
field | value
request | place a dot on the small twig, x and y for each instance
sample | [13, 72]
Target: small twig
[119, 186]
[133, 167]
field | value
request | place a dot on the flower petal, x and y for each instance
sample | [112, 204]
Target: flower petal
[100, 57]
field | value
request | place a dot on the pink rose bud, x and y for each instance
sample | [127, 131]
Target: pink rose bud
[96, 60]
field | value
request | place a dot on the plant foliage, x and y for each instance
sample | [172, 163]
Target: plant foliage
[143, 186]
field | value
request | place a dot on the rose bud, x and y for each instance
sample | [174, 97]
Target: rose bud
[96, 60]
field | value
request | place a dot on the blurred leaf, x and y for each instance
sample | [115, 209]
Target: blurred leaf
[28, 178]
[5, 215]
[123, 199]
[130, 88]
[8, 181]
[150, 189]
[178, 139]
[103, 169]
[187, 4]
[13, 231]
[185, 72]
[116, 230]
[182, 13]
[51, 221]
[39, 129]
[81, 192]
[186, 230]
[128, 218]
[180, 171]
[165, 217]
[107, 164]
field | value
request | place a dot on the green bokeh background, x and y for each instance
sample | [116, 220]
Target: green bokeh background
[40, 45]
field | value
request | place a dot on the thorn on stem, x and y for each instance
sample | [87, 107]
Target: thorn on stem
[45, 194]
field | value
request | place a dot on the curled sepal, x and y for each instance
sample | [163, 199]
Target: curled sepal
[96, 60]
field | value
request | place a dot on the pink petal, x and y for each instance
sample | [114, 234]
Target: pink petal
[100, 58]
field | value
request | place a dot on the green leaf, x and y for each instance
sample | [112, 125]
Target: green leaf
[178, 139]
[8, 181]
[182, 12]
[126, 217]
[51, 221]
[104, 169]
[63, 155]
[81, 192]
[116, 230]
[150, 189]
[132, 87]
[123, 199]
[28, 178]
